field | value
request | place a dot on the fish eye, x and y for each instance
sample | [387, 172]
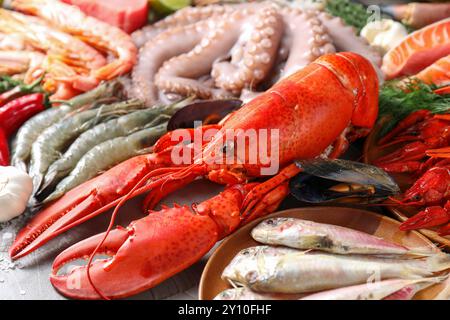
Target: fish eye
[270, 222]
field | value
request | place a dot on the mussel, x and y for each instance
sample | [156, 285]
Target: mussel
[324, 180]
[209, 112]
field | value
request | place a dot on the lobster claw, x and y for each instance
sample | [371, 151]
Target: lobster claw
[142, 255]
[85, 202]
[430, 217]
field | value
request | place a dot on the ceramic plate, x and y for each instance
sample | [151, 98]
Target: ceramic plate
[211, 283]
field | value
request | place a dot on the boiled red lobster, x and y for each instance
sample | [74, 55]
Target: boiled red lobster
[317, 112]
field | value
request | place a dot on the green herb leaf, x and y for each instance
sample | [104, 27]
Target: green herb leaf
[354, 14]
[398, 102]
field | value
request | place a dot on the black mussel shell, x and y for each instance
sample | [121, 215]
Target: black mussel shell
[208, 111]
[319, 175]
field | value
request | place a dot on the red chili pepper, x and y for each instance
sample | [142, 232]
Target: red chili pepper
[4, 149]
[19, 91]
[15, 113]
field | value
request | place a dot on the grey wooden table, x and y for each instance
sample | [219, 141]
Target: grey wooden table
[28, 278]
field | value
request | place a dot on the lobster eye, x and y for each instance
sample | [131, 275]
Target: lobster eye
[417, 197]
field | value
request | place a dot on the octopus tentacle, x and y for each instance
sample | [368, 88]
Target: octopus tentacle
[253, 55]
[304, 40]
[231, 49]
[158, 50]
[177, 74]
[345, 38]
[308, 39]
[183, 17]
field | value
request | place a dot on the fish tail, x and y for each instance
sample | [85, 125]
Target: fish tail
[438, 262]
[419, 269]
[423, 251]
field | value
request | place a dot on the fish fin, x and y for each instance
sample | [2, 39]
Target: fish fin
[427, 251]
[438, 262]
[432, 280]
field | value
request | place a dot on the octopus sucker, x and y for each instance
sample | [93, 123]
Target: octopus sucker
[235, 49]
[177, 74]
[254, 54]
[309, 40]
[345, 38]
[158, 50]
[187, 16]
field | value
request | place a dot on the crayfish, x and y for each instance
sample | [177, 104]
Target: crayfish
[422, 131]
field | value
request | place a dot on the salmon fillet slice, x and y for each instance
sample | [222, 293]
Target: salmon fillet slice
[418, 51]
[438, 73]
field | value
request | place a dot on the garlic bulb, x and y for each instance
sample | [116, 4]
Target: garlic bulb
[385, 33]
[15, 190]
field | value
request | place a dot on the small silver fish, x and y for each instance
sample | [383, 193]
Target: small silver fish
[394, 289]
[305, 235]
[247, 294]
[285, 270]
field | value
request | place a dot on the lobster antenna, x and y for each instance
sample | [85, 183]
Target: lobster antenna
[170, 176]
[108, 230]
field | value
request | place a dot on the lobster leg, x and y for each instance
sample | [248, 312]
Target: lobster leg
[270, 202]
[258, 193]
[154, 248]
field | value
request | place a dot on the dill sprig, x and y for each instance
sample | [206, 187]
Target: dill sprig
[354, 14]
[397, 102]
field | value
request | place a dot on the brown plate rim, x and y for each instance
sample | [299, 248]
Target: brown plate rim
[217, 251]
